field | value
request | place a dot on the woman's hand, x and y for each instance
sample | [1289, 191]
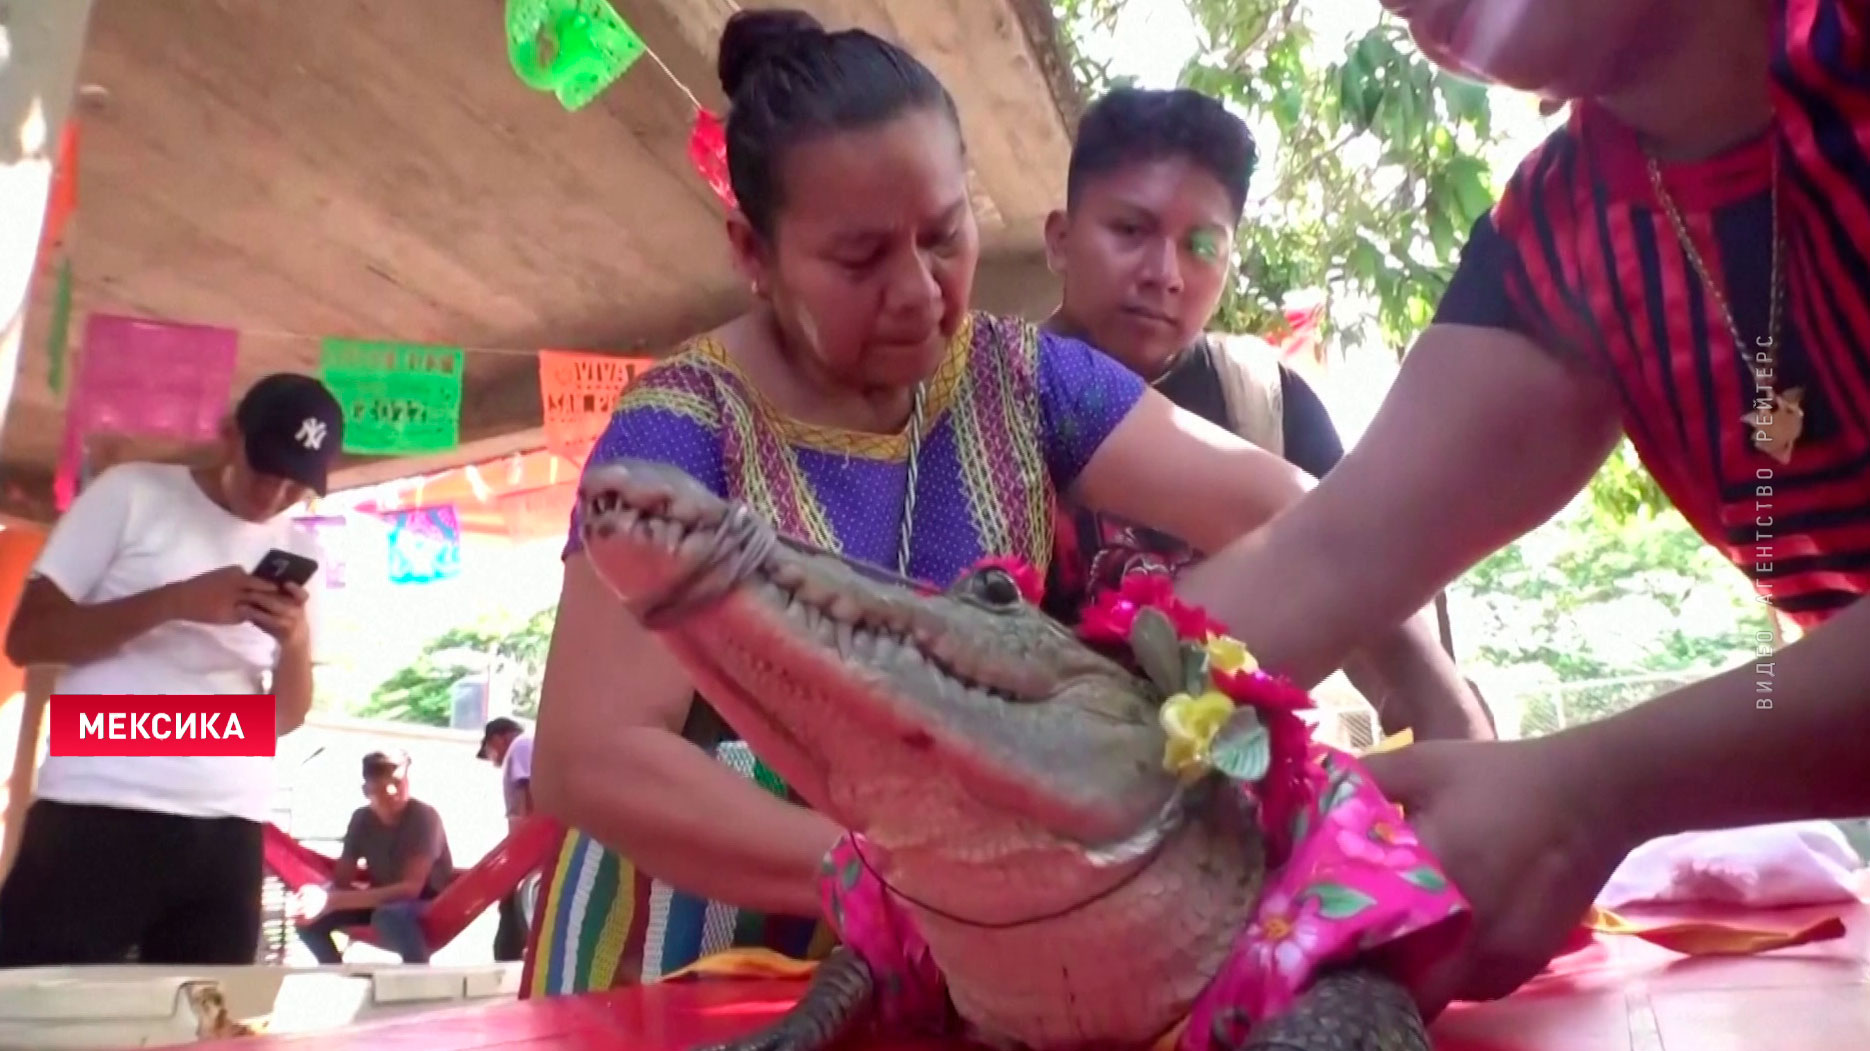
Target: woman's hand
[1528, 832]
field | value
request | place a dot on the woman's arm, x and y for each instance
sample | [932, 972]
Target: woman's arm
[610, 760]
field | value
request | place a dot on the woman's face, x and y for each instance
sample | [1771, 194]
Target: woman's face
[874, 245]
[1556, 48]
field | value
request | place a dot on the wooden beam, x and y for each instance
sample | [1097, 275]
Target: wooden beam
[43, 41]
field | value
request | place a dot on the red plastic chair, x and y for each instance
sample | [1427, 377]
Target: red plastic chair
[495, 876]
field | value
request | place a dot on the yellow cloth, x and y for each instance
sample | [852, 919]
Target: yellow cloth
[1709, 938]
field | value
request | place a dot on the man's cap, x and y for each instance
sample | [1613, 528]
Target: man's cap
[385, 764]
[497, 727]
[293, 428]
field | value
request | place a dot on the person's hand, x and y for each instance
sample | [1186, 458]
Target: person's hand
[1526, 830]
[218, 596]
[308, 904]
[277, 610]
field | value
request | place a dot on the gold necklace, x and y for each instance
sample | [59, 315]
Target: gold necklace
[1777, 418]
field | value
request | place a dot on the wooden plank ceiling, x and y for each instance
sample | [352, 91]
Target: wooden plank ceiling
[373, 169]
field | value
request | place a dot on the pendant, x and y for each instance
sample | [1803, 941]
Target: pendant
[1777, 431]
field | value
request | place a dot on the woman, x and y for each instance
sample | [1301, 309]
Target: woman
[862, 407]
[1686, 261]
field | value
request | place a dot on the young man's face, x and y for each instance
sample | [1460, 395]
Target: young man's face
[1144, 256]
[387, 793]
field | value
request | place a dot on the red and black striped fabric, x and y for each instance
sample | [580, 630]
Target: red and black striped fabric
[1580, 255]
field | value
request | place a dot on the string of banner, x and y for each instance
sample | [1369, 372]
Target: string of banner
[172, 380]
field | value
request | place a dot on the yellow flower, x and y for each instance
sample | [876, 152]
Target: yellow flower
[1228, 654]
[1191, 723]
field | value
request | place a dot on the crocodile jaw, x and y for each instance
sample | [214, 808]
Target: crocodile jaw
[925, 721]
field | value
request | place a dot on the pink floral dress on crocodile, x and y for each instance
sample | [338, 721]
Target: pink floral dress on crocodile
[1347, 874]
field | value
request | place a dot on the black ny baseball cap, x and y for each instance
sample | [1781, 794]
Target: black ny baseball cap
[293, 427]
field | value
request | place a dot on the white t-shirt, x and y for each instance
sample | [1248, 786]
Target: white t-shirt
[136, 527]
[516, 768]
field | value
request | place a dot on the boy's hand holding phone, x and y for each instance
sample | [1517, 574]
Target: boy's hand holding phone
[278, 610]
[219, 596]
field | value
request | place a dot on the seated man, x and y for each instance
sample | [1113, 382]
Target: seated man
[404, 849]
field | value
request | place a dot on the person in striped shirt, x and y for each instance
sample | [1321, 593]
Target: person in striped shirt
[1686, 261]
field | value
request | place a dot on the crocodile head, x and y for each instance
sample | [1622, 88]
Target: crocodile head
[958, 722]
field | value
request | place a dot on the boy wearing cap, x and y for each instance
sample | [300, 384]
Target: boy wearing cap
[144, 586]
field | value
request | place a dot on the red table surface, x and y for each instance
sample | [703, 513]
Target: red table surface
[1620, 994]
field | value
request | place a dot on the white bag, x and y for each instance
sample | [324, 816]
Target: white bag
[1765, 866]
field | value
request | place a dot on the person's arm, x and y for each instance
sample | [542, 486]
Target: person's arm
[1406, 690]
[344, 873]
[1485, 434]
[292, 684]
[423, 847]
[1222, 488]
[612, 762]
[1483, 437]
[1780, 738]
[519, 773]
[51, 624]
[287, 617]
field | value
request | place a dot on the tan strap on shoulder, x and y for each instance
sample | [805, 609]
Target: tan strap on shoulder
[1255, 396]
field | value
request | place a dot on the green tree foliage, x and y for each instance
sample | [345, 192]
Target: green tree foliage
[422, 691]
[1609, 593]
[1374, 163]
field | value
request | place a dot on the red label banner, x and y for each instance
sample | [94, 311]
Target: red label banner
[161, 725]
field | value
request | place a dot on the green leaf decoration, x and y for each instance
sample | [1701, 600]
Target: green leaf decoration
[573, 49]
[853, 871]
[1194, 669]
[1301, 824]
[1427, 878]
[1158, 652]
[1338, 902]
[1243, 750]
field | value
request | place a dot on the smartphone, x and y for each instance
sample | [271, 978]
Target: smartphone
[285, 567]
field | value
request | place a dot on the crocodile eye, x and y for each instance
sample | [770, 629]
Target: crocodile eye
[996, 587]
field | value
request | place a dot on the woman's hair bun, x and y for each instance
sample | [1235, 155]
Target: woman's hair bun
[752, 38]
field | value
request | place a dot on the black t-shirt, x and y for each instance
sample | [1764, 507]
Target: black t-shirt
[1092, 551]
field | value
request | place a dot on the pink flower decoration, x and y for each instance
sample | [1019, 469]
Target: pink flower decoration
[1369, 834]
[1285, 937]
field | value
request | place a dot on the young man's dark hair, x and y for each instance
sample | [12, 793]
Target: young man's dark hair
[1130, 126]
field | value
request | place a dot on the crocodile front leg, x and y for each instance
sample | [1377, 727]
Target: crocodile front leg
[838, 998]
[1352, 1010]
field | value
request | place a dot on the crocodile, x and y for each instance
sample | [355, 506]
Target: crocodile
[1007, 779]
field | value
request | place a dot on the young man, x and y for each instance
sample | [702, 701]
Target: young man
[406, 862]
[144, 587]
[1686, 261]
[1144, 250]
[507, 745]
